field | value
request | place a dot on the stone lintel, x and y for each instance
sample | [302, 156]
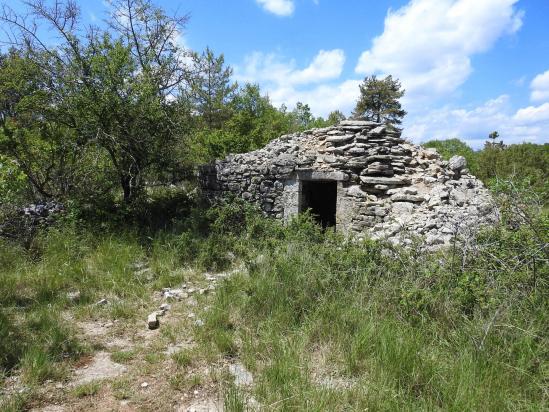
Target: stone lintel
[322, 175]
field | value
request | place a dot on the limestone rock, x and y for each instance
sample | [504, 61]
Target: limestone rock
[381, 185]
[402, 197]
[457, 163]
[340, 139]
[359, 123]
[388, 181]
[152, 321]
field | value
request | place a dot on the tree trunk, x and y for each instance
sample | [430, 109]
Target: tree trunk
[126, 183]
[131, 187]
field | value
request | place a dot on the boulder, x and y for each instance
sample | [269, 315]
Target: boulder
[457, 163]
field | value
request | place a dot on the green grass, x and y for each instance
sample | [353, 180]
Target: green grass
[399, 329]
[123, 356]
[408, 330]
[183, 358]
[36, 339]
[86, 389]
[234, 400]
[122, 388]
[183, 381]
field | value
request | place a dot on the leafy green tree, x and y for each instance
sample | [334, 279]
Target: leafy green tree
[254, 122]
[334, 118]
[255, 119]
[44, 150]
[492, 142]
[379, 100]
[12, 181]
[491, 157]
[302, 116]
[455, 147]
[210, 88]
[525, 162]
[113, 89]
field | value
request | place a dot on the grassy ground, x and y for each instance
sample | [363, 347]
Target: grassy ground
[321, 323]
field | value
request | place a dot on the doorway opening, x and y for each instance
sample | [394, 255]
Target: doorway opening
[320, 196]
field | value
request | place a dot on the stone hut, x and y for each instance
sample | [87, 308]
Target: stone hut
[360, 177]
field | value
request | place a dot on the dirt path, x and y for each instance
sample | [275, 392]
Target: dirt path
[134, 368]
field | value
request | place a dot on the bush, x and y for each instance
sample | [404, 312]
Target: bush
[458, 329]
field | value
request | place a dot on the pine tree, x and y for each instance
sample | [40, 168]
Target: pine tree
[335, 117]
[211, 88]
[378, 100]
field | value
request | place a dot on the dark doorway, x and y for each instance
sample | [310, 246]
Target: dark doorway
[320, 196]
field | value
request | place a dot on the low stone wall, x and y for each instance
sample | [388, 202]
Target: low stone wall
[386, 187]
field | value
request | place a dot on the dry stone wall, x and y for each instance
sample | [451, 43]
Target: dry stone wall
[386, 187]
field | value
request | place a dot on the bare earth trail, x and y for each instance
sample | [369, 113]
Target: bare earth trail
[134, 368]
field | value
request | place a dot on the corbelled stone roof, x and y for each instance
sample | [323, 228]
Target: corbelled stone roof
[389, 188]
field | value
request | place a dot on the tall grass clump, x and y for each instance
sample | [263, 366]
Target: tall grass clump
[323, 322]
[36, 285]
[458, 329]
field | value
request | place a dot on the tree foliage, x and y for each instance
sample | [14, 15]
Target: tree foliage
[210, 88]
[379, 100]
[334, 118]
[527, 163]
[454, 147]
[109, 90]
[254, 121]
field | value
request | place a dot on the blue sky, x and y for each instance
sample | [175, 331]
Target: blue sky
[469, 66]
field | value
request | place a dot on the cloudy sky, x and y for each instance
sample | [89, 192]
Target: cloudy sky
[469, 67]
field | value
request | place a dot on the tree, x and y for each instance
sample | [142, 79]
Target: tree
[334, 118]
[114, 89]
[492, 142]
[378, 100]
[491, 157]
[253, 123]
[210, 88]
[255, 120]
[44, 150]
[302, 116]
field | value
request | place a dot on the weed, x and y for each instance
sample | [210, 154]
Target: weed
[233, 400]
[38, 366]
[182, 358]
[86, 389]
[122, 388]
[182, 381]
[154, 358]
[123, 356]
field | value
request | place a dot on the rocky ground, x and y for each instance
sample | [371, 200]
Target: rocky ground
[135, 365]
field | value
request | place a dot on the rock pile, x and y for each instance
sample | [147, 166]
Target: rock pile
[42, 211]
[386, 187]
[22, 223]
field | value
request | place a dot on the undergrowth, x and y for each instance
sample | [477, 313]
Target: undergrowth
[398, 329]
[323, 322]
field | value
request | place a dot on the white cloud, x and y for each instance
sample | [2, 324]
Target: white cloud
[271, 69]
[428, 43]
[473, 125]
[540, 87]
[533, 114]
[287, 84]
[321, 99]
[278, 7]
[519, 82]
